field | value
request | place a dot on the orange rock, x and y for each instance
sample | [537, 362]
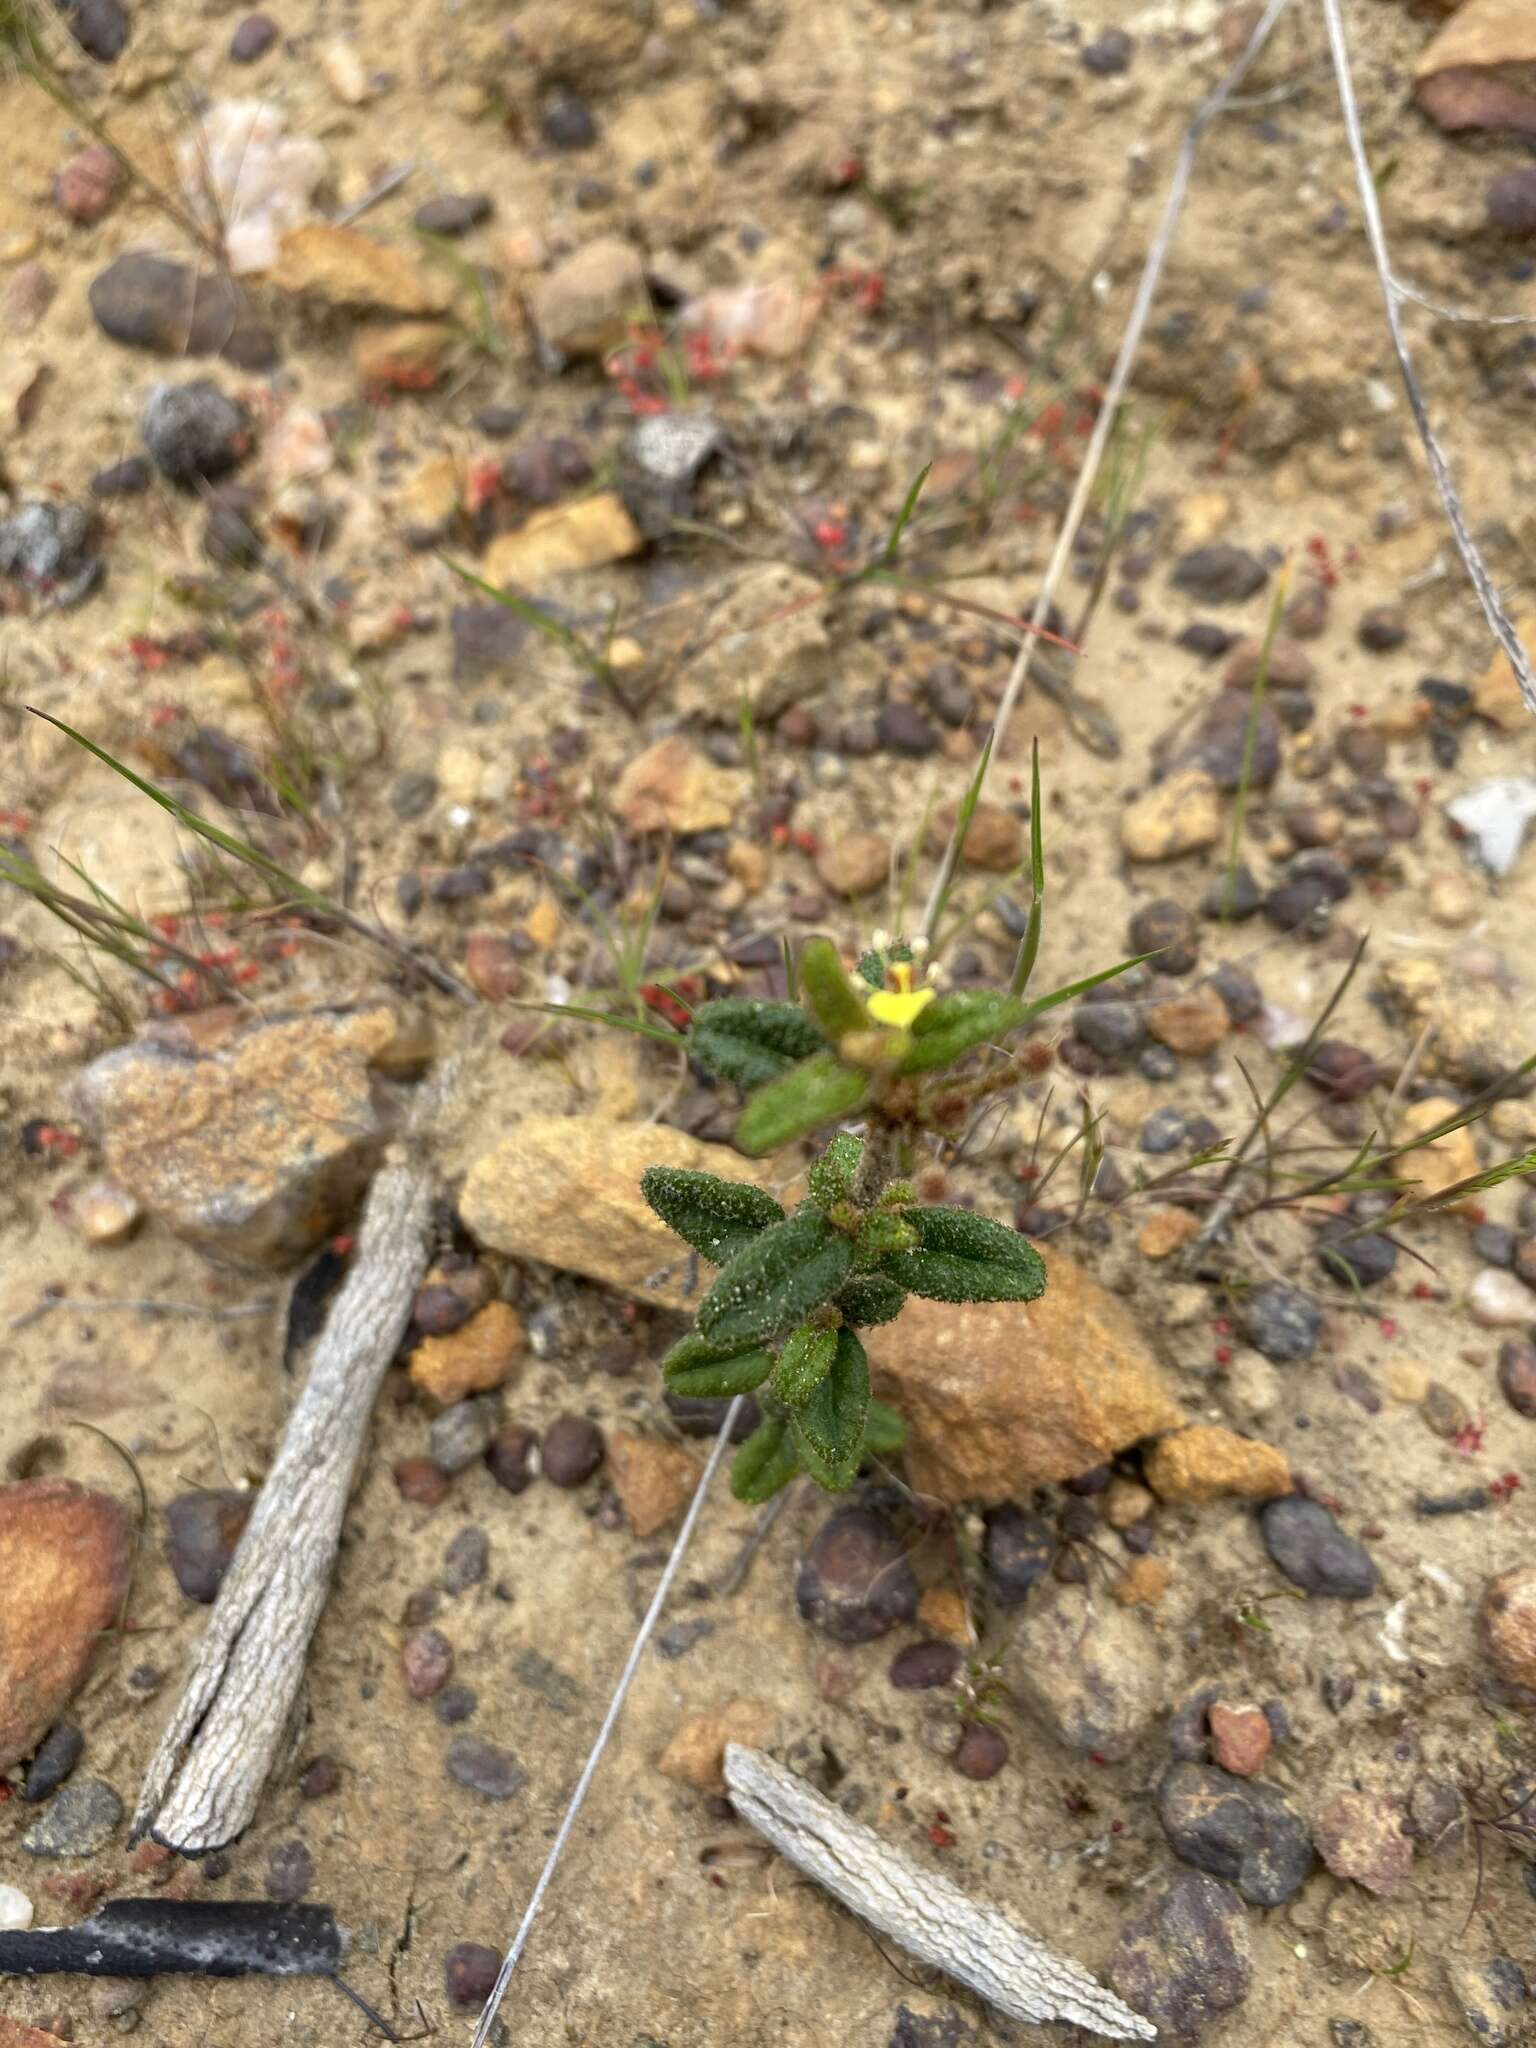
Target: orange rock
[1192, 1022]
[854, 863]
[696, 1754]
[1497, 697]
[14, 2034]
[1508, 1620]
[1143, 1582]
[1205, 1462]
[584, 533]
[1240, 1736]
[654, 1481]
[675, 787]
[477, 1357]
[65, 1557]
[1164, 1231]
[944, 1612]
[1002, 1396]
[994, 840]
[1445, 1161]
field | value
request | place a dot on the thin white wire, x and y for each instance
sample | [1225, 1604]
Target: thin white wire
[610, 1720]
[1130, 342]
[1493, 610]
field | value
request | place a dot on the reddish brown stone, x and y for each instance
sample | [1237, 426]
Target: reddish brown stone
[65, 1559]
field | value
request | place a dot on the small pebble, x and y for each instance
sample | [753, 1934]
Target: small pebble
[80, 1821]
[567, 122]
[1497, 1299]
[320, 1777]
[252, 38]
[901, 729]
[57, 1755]
[1517, 1375]
[510, 1457]
[15, 1910]
[1313, 1551]
[290, 1873]
[421, 1481]
[982, 1751]
[1281, 1322]
[572, 1450]
[461, 1434]
[1235, 1828]
[129, 478]
[1168, 930]
[203, 1531]
[470, 1971]
[855, 1581]
[194, 434]
[921, 1666]
[456, 1704]
[466, 1560]
[482, 1767]
[452, 213]
[426, 1659]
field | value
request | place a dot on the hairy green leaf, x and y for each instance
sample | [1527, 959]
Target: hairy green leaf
[965, 1257]
[721, 1377]
[832, 1176]
[803, 1364]
[870, 1298]
[766, 1461]
[828, 992]
[831, 1423]
[957, 1023]
[785, 1272]
[883, 1230]
[750, 1042]
[818, 1091]
[717, 1217]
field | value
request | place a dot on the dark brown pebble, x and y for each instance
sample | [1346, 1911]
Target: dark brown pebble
[1381, 629]
[1306, 616]
[56, 1757]
[1517, 1375]
[1087, 1484]
[922, 1665]
[855, 1582]
[421, 1481]
[982, 1753]
[1361, 749]
[1511, 201]
[439, 1311]
[1345, 1072]
[453, 213]
[252, 38]
[129, 478]
[470, 1971]
[320, 1778]
[904, 730]
[572, 1450]
[202, 1531]
[510, 1457]
[1169, 930]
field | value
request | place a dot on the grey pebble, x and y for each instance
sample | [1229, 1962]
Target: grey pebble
[80, 1821]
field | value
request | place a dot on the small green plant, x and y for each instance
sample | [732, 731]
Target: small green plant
[783, 1317]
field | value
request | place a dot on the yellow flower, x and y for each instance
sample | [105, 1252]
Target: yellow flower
[900, 1005]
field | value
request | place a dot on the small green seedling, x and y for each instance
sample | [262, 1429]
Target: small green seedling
[793, 1291]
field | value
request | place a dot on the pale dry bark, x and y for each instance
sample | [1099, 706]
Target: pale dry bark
[929, 1916]
[206, 1776]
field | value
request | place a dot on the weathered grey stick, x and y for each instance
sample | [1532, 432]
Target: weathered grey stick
[931, 1918]
[206, 1776]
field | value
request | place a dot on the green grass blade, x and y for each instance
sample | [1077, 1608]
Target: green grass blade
[534, 615]
[1058, 996]
[1029, 947]
[240, 849]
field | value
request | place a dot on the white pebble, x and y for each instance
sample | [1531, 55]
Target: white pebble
[15, 1910]
[1496, 1298]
